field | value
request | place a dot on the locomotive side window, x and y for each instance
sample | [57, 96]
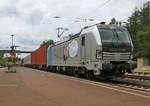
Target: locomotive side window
[83, 41]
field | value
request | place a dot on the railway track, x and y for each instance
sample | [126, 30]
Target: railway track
[134, 82]
[131, 82]
[144, 77]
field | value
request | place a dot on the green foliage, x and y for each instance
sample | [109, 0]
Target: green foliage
[139, 28]
[5, 61]
[1, 55]
[143, 42]
[48, 42]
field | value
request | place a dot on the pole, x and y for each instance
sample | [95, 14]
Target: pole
[12, 40]
[13, 53]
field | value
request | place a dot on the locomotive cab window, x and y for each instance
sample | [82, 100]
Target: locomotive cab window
[83, 41]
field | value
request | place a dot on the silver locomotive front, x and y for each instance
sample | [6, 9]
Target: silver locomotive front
[117, 49]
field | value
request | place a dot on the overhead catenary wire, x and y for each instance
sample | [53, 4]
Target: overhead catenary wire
[100, 6]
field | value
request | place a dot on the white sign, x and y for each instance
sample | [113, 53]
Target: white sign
[73, 48]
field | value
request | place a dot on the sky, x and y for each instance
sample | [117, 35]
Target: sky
[33, 21]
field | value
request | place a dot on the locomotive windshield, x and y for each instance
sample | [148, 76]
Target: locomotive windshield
[114, 35]
[115, 39]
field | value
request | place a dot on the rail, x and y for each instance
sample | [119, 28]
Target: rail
[133, 82]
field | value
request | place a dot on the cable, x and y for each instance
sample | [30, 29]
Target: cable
[100, 6]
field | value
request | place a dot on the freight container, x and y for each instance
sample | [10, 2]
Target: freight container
[39, 56]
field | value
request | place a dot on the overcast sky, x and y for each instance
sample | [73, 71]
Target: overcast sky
[31, 21]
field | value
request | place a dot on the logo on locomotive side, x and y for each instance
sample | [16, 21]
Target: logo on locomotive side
[73, 48]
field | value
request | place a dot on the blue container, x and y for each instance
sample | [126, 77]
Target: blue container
[50, 56]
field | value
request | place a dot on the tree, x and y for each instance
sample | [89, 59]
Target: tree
[143, 42]
[47, 42]
[145, 14]
[139, 28]
[1, 55]
[134, 23]
[4, 61]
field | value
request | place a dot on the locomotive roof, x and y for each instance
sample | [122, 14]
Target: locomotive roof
[107, 26]
[110, 26]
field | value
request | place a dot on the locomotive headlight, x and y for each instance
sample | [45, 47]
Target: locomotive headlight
[131, 56]
[98, 54]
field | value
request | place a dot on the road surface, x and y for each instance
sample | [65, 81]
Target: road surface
[30, 87]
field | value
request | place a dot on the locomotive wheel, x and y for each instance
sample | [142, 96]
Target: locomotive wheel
[76, 74]
[89, 75]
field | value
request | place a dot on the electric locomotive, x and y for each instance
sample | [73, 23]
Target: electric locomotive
[96, 50]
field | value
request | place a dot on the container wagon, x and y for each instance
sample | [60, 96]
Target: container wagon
[39, 58]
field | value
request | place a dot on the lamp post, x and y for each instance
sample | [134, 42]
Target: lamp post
[12, 47]
[13, 52]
